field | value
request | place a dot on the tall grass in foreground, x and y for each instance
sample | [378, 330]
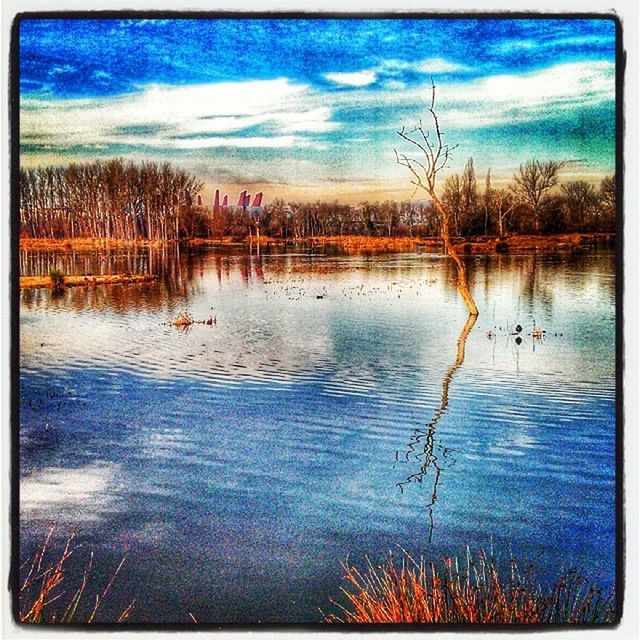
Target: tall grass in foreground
[477, 592]
[48, 595]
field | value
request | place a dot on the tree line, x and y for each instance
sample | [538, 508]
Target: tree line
[113, 199]
[121, 199]
[531, 203]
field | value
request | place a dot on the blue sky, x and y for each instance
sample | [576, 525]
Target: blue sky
[308, 109]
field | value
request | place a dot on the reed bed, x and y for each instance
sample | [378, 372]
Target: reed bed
[476, 591]
[49, 596]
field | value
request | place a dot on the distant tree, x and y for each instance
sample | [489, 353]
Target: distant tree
[278, 218]
[113, 199]
[453, 199]
[368, 212]
[487, 201]
[389, 216]
[470, 223]
[607, 193]
[533, 182]
[503, 204]
[580, 203]
[434, 156]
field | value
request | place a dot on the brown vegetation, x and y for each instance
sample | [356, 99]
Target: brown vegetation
[124, 204]
[185, 320]
[85, 244]
[477, 592]
[372, 244]
[46, 597]
[38, 282]
[112, 199]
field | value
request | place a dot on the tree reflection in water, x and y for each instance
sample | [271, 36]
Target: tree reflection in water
[423, 446]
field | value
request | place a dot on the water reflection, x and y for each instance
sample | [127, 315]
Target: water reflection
[423, 446]
[226, 453]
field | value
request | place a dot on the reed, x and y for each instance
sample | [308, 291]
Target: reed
[48, 595]
[473, 592]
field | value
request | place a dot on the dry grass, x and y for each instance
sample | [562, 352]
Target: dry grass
[349, 244]
[61, 281]
[86, 244]
[49, 596]
[372, 244]
[476, 593]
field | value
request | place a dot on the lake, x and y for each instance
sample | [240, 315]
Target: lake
[325, 413]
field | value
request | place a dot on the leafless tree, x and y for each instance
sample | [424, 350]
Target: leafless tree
[504, 204]
[532, 183]
[487, 201]
[581, 204]
[469, 192]
[113, 199]
[453, 200]
[607, 195]
[434, 156]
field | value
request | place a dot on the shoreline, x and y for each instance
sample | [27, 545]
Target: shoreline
[489, 245]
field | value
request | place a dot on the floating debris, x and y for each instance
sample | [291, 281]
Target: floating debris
[537, 333]
[185, 320]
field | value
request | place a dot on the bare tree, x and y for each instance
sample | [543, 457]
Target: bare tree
[533, 181]
[581, 204]
[488, 201]
[453, 199]
[434, 156]
[470, 195]
[607, 195]
[113, 199]
[504, 204]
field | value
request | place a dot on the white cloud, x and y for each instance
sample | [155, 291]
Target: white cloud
[525, 97]
[353, 79]
[213, 142]
[499, 99]
[439, 65]
[182, 117]
[393, 68]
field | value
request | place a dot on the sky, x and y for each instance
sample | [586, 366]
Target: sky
[310, 109]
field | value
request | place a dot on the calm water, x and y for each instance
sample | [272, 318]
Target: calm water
[240, 463]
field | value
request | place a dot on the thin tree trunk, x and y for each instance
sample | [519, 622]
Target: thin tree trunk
[463, 286]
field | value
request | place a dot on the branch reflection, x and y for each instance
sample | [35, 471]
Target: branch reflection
[423, 446]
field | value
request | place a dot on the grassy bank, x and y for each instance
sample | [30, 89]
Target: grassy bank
[381, 244]
[511, 244]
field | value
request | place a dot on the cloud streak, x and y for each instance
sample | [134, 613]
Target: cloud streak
[271, 113]
[516, 45]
